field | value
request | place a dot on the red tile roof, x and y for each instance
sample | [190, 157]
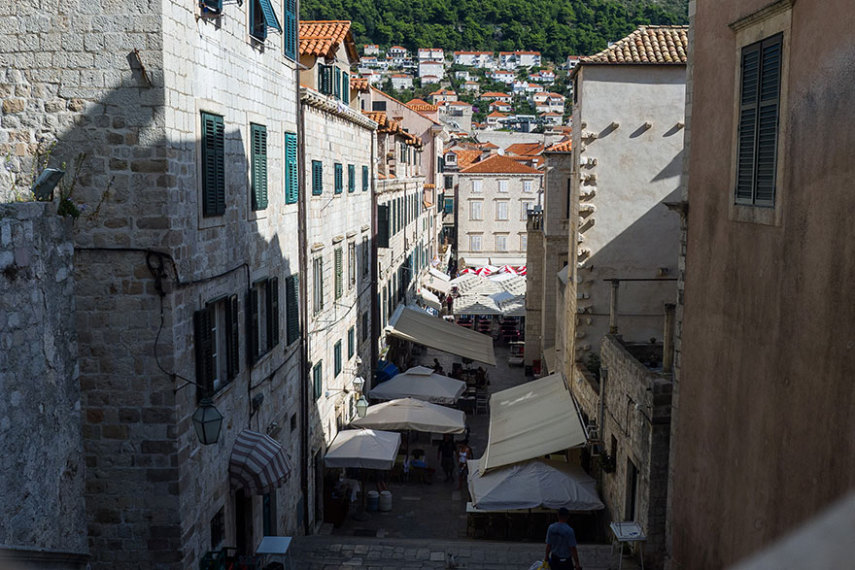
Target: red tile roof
[525, 149]
[359, 83]
[421, 105]
[493, 94]
[498, 164]
[561, 146]
[647, 44]
[322, 38]
[422, 115]
[466, 157]
[496, 114]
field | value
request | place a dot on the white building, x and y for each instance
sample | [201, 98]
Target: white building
[480, 59]
[337, 159]
[502, 76]
[401, 81]
[507, 60]
[430, 79]
[496, 96]
[494, 196]
[370, 49]
[431, 67]
[527, 58]
[463, 75]
[397, 56]
[471, 86]
[431, 54]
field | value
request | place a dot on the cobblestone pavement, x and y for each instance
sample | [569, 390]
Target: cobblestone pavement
[320, 552]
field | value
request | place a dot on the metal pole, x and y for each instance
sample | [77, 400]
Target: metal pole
[668, 340]
[613, 307]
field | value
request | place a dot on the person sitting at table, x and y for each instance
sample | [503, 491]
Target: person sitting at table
[437, 367]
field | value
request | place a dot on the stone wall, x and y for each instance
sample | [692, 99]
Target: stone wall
[637, 418]
[534, 289]
[41, 487]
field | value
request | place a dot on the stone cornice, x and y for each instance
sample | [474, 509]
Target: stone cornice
[335, 107]
[762, 14]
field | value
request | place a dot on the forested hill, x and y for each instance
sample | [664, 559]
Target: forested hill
[556, 28]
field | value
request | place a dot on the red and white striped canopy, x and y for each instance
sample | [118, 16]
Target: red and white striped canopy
[258, 463]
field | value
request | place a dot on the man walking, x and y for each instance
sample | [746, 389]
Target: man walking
[446, 453]
[561, 544]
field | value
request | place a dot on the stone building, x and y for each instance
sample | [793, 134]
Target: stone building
[628, 142]
[337, 150]
[183, 115]
[494, 196]
[44, 513]
[762, 426]
[547, 268]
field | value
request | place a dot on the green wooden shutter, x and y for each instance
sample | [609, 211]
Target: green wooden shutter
[337, 82]
[339, 178]
[318, 379]
[365, 179]
[292, 307]
[269, 15]
[272, 312]
[351, 178]
[317, 177]
[291, 186]
[290, 33]
[212, 5]
[252, 326]
[338, 273]
[232, 338]
[213, 165]
[337, 354]
[345, 87]
[258, 142]
[351, 340]
[203, 323]
[383, 225]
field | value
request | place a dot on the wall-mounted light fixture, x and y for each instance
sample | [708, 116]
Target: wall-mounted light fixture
[208, 422]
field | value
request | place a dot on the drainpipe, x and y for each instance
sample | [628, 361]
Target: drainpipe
[613, 305]
[601, 426]
[668, 340]
[302, 210]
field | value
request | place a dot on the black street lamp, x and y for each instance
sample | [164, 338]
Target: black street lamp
[208, 421]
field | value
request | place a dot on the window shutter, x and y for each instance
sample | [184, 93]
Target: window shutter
[326, 78]
[252, 326]
[293, 307]
[337, 354]
[345, 87]
[270, 19]
[213, 5]
[272, 312]
[213, 165]
[232, 338]
[365, 179]
[337, 83]
[747, 123]
[339, 183]
[291, 187]
[383, 225]
[259, 167]
[290, 33]
[204, 341]
[767, 124]
[318, 379]
[338, 273]
[317, 177]
[351, 178]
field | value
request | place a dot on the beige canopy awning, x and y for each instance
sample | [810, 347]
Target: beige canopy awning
[437, 333]
[531, 420]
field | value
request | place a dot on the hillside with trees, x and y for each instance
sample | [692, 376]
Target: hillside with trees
[556, 28]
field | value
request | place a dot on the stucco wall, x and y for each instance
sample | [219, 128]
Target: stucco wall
[41, 465]
[629, 170]
[763, 439]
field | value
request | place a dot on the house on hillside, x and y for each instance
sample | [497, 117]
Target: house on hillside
[370, 50]
[431, 54]
[527, 58]
[401, 81]
[496, 96]
[501, 106]
[431, 68]
[443, 96]
[397, 56]
[502, 76]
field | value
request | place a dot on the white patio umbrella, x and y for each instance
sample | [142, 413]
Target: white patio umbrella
[476, 305]
[421, 383]
[412, 414]
[531, 484]
[366, 448]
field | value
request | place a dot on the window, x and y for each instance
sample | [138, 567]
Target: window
[291, 189]
[292, 308]
[383, 225]
[365, 326]
[345, 88]
[525, 206]
[502, 210]
[528, 186]
[448, 206]
[318, 284]
[501, 243]
[268, 513]
[378, 105]
[339, 178]
[475, 210]
[289, 33]
[258, 140]
[261, 18]
[476, 186]
[351, 265]
[262, 318]
[365, 179]
[213, 165]
[365, 251]
[338, 273]
[757, 133]
[336, 82]
[213, 6]
[337, 356]
[449, 182]
[325, 78]
[351, 342]
[475, 243]
[318, 379]
[317, 177]
[503, 185]
[524, 242]
[216, 344]
[351, 178]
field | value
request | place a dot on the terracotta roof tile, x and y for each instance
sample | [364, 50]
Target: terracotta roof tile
[561, 146]
[489, 94]
[321, 38]
[421, 105]
[647, 44]
[498, 164]
[359, 83]
[497, 114]
[466, 157]
[525, 149]
[431, 119]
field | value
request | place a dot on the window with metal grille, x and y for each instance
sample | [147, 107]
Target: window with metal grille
[258, 141]
[216, 342]
[317, 177]
[213, 165]
[291, 188]
[757, 144]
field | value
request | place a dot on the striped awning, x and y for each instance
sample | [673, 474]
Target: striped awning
[258, 463]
